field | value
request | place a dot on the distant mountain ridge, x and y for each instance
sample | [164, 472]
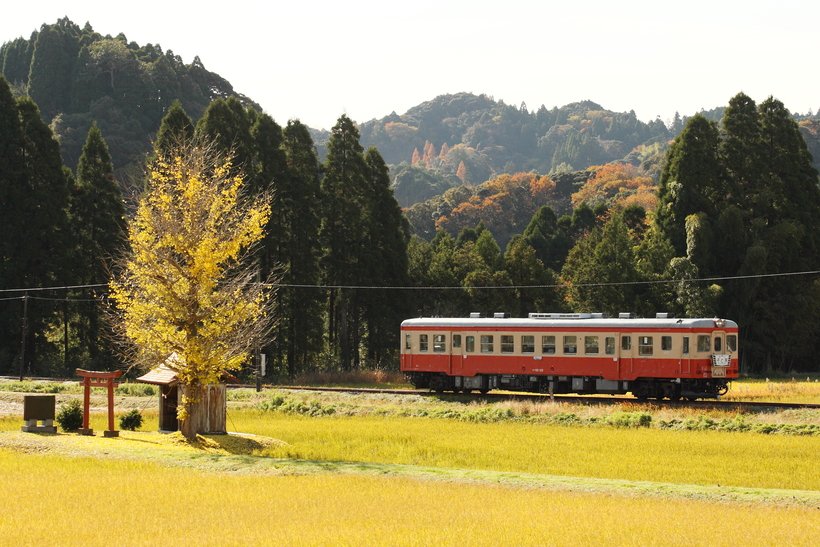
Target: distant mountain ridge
[78, 77]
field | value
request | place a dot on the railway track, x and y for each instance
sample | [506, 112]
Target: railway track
[596, 400]
[760, 406]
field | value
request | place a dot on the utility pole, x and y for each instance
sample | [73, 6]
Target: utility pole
[24, 329]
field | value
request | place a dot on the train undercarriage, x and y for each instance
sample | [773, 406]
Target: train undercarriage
[673, 389]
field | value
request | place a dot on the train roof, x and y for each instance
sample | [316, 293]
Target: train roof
[574, 321]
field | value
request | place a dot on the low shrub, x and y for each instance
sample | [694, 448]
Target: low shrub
[629, 419]
[70, 415]
[131, 420]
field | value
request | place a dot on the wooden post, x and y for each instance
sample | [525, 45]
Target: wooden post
[111, 432]
[86, 407]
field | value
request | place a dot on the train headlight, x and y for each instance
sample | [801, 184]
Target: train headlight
[720, 323]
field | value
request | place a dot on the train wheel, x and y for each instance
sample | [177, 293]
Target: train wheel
[466, 391]
[437, 384]
[484, 391]
[641, 391]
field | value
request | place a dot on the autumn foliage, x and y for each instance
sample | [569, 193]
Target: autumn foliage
[617, 185]
[501, 204]
[186, 287]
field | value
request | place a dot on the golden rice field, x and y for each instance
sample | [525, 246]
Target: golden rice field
[367, 475]
[794, 390]
[55, 500]
[696, 457]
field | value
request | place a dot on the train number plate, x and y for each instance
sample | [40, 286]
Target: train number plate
[718, 372]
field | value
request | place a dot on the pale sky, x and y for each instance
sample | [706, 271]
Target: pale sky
[315, 60]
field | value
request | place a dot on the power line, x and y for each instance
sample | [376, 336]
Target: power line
[431, 288]
[59, 288]
[547, 286]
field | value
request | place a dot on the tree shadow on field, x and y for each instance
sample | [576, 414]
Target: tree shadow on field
[239, 444]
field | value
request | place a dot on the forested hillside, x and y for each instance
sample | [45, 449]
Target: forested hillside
[491, 137]
[79, 77]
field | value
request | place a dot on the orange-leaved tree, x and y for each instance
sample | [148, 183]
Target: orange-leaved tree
[617, 185]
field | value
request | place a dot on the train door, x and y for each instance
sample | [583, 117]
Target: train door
[456, 353]
[407, 354]
[720, 354]
[626, 351]
[686, 354]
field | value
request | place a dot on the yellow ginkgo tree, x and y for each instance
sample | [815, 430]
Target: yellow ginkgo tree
[187, 293]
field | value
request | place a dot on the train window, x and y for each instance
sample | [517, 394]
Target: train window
[590, 344]
[469, 344]
[718, 344]
[547, 344]
[609, 345]
[666, 343]
[422, 342]
[626, 343]
[731, 342]
[527, 344]
[685, 345]
[507, 343]
[439, 343]
[645, 344]
[408, 341]
[570, 344]
[704, 342]
[456, 340]
[486, 343]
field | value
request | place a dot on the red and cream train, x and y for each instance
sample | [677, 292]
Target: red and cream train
[572, 353]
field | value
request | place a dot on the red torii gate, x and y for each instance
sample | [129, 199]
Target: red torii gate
[93, 378]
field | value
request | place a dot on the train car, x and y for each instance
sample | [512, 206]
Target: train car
[657, 358]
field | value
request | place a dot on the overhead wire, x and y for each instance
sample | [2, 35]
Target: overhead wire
[422, 288]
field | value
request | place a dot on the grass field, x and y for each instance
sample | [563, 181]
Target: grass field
[379, 469]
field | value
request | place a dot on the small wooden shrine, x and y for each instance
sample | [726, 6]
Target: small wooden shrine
[207, 415]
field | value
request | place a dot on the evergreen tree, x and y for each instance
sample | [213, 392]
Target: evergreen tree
[525, 269]
[301, 306]
[43, 257]
[12, 221]
[343, 233]
[691, 180]
[98, 219]
[741, 153]
[599, 269]
[227, 123]
[174, 129]
[387, 257]
[550, 241]
[49, 81]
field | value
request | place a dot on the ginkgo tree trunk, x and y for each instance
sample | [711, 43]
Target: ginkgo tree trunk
[188, 285]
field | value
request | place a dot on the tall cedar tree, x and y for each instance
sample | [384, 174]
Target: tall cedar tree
[387, 254]
[227, 124]
[174, 129]
[49, 81]
[33, 217]
[12, 221]
[343, 235]
[267, 176]
[98, 219]
[301, 306]
[691, 180]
